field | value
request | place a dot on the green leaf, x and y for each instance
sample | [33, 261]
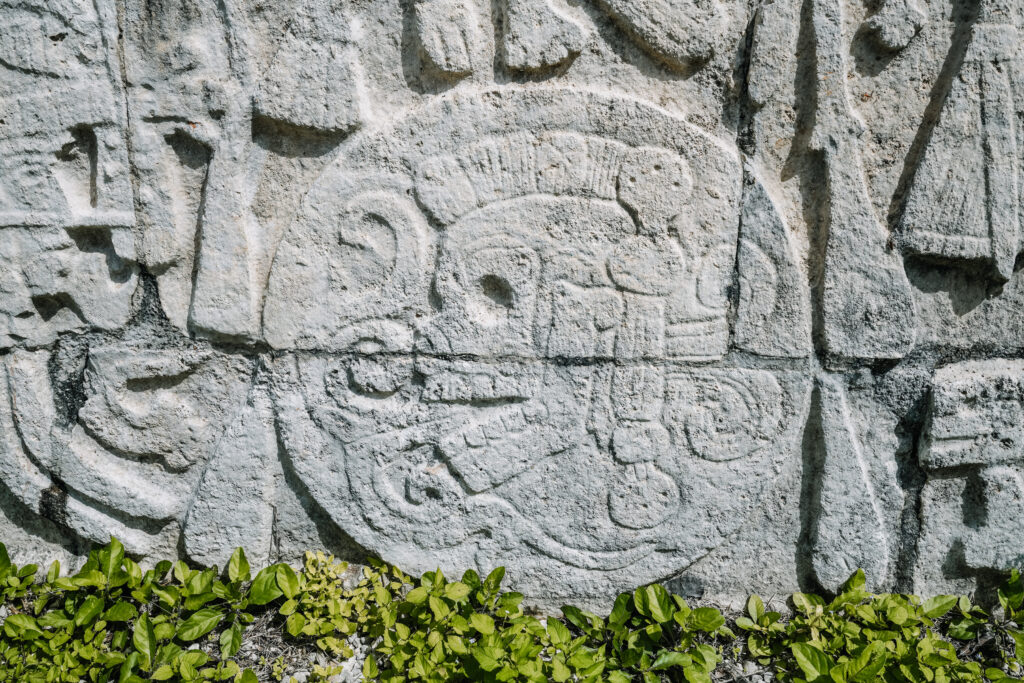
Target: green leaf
[494, 579]
[755, 608]
[438, 607]
[111, 557]
[54, 619]
[121, 611]
[54, 572]
[22, 626]
[294, 625]
[127, 667]
[557, 632]
[856, 581]
[1011, 593]
[1018, 641]
[813, 662]
[264, 587]
[231, 640]
[936, 607]
[370, 671]
[456, 591]
[559, 671]
[807, 602]
[485, 658]
[667, 660]
[88, 610]
[707, 619]
[659, 603]
[482, 623]
[865, 667]
[620, 612]
[5, 562]
[134, 572]
[287, 581]
[164, 673]
[472, 579]
[238, 566]
[508, 604]
[641, 602]
[997, 675]
[457, 645]
[695, 676]
[417, 596]
[144, 641]
[199, 624]
[898, 614]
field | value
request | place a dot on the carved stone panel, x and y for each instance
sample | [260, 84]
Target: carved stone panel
[974, 444]
[606, 292]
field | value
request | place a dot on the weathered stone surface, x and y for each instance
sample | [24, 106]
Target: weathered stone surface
[850, 531]
[724, 293]
[974, 443]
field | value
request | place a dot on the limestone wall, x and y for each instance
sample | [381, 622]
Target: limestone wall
[721, 292]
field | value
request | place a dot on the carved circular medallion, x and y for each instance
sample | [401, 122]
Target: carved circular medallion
[521, 280]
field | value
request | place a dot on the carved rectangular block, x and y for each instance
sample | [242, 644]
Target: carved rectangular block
[976, 415]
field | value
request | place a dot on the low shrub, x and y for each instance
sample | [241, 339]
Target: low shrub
[862, 637]
[113, 621]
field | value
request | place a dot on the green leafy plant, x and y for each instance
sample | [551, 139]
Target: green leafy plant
[114, 621]
[857, 637]
[444, 630]
[996, 641]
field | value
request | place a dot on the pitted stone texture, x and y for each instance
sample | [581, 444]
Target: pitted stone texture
[965, 200]
[63, 153]
[974, 443]
[141, 439]
[576, 226]
[57, 280]
[522, 475]
[850, 532]
[606, 292]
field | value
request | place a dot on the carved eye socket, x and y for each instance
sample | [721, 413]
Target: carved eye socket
[367, 246]
[494, 283]
[497, 289]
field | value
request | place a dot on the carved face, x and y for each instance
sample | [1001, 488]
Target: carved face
[509, 350]
[529, 278]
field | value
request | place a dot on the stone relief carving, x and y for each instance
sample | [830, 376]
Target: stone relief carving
[539, 34]
[774, 311]
[570, 227]
[196, 92]
[974, 434]
[866, 300]
[533, 34]
[850, 530]
[267, 284]
[896, 22]
[965, 199]
[448, 34]
[684, 34]
[64, 157]
[536, 35]
[122, 467]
